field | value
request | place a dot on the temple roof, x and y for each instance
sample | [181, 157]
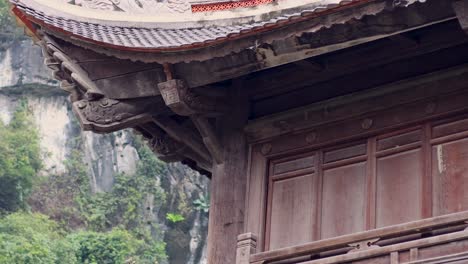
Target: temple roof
[134, 31]
[185, 25]
[147, 34]
[163, 66]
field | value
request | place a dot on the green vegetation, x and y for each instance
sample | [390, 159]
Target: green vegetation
[202, 204]
[74, 225]
[174, 218]
[34, 239]
[20, 160]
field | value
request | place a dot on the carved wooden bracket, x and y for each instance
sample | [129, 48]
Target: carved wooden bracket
[70, 73]
[183, 135]
[108, 115]
[168, 149]
[461, 9]
[184, 101]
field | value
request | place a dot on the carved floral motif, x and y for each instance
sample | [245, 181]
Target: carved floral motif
[180, 6]
[99, 4]
[104, 111]
[152, 7]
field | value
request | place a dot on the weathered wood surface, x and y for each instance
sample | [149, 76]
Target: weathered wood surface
[401, 158]
[228, 184]
[425, 226]
[246, 246]
[411, 93]
[333, 33]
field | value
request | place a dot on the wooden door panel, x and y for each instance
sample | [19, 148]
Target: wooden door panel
[450, 170]
[292, 211]
[371, 182]
[294, 165]
[399, 185]
[343, 201]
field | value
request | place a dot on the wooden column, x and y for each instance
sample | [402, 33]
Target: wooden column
[246, 246]
[228, 183]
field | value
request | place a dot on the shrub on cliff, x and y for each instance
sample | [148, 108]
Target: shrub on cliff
[20, 159]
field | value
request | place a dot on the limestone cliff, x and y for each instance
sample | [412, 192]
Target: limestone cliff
[22, 75]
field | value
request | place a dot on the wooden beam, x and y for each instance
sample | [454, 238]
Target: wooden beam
[318, 42]
[337, 109]
[310, 65]
[341, 85]
[78, 75]
[114, 76]
[404, 38]
[209, 137]
[287, 78]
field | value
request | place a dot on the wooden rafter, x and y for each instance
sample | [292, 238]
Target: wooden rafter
[209, 137]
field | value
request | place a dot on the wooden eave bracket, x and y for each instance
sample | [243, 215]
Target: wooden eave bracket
[185, 102]
[461, 10]
[65, 69]
[181, 134]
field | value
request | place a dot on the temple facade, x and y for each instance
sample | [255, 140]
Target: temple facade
[333, 131]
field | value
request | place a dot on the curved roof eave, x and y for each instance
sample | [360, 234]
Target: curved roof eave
[150, 37]
[126, 41]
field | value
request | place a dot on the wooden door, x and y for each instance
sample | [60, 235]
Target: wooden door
[399, 176]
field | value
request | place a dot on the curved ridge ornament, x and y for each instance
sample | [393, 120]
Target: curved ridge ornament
[136, 6]
[99, 4]
[179, 6]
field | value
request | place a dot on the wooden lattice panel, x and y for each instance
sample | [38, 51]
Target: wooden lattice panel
[227, 5]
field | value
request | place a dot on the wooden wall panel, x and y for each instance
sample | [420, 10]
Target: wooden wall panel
[256, 195]
[399, 185]
[352, 174]
[292, 212]
[450, 170]
[294, 165]
[344, 192]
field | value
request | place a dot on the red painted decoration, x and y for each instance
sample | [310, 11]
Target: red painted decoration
[227, 5]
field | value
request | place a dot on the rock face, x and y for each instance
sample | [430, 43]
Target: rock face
[22, 75]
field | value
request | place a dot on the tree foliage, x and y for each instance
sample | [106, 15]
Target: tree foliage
[20, 159]
[123, 207]
[33, 239]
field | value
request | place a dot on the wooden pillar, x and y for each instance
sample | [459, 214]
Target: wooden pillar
[246, 246]
[228, 184]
